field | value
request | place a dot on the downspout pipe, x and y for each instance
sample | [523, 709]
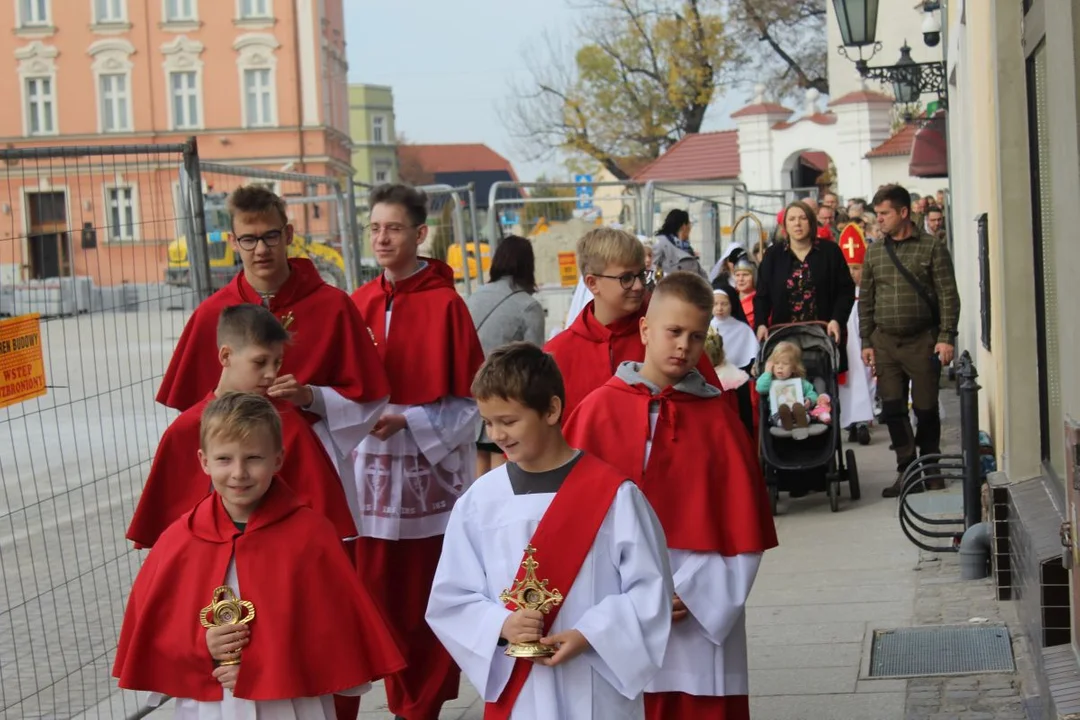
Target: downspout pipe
[975, 552]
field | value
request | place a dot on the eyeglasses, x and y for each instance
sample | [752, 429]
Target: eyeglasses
[392, 229]
[269, 239]
[626, 280]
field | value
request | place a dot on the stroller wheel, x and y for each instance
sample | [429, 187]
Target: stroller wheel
[834, 495]
[852, 475]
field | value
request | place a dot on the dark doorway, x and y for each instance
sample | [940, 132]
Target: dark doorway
[47, 240]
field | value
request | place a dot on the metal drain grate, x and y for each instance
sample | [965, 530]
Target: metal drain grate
[941, 650]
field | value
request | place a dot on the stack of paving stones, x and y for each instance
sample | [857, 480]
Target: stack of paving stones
[942, 598]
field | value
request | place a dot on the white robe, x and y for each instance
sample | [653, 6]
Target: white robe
[620, 601]
[343, 426]
[581, 298]
[856, 395]
[234, 708]
[407, 484]
[740, 343]
[706, 654]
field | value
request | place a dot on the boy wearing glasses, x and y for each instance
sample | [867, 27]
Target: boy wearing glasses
[605, 334]
[420, 456]
[333, 375]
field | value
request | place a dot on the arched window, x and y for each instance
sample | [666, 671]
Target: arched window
[257, 64]
[112, 77]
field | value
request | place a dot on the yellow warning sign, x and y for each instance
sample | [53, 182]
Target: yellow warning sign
[22, 363]
[568, 269]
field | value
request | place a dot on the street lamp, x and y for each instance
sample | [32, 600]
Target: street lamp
[909, 79]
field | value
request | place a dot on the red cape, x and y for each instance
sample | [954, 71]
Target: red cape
[316, 630]
[588, 354]
[330, 346]
[433, 350]
[702, 479]
[177, 482]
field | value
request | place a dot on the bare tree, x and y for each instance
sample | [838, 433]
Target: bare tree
[643, 78]
[791, 52]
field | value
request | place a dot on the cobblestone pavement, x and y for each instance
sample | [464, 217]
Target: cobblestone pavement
[942, 598]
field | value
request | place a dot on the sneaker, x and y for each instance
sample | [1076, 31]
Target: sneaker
[786, 420]
[802, 419]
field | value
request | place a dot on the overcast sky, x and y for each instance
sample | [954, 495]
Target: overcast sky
[451, 64]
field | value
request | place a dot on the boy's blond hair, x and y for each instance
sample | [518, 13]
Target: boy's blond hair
[686, 286]
[237, 417]
[256, 200]
[605, 246]
[714, 348]
[792, 352]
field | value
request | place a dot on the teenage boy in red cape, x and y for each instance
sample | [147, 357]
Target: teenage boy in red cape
[420, 456]
[251, 345]
[315, 630]
[592, 537]
[662, 425]
[334, 376]
[605, 334]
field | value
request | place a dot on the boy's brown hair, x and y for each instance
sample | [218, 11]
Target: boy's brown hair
[714, 348]
[520, 372]
[793, 352]
[239, 416]
[688, 287]
[605, 246]
[256, 200]
[241, 326]
[412, 199]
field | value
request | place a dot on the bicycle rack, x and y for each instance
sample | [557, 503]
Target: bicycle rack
[963, 467]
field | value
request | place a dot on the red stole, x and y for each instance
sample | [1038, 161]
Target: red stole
[330, 345]
[562, 540]
[316, 630]
[702, 479]
[433, 350]
[177, 482]
[748, 308]
[588, 353]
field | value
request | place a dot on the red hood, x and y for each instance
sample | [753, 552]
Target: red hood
[304, 279]
[588, 327]
[210, 522]
[435, 276]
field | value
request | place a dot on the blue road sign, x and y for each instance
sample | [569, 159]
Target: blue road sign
[584, 191]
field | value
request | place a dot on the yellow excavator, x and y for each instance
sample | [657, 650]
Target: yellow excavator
[225, 261]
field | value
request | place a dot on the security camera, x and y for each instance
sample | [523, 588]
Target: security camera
[931, 29]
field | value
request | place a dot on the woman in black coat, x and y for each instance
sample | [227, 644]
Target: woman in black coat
[804, 279]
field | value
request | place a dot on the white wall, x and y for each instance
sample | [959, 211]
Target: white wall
[884, 170]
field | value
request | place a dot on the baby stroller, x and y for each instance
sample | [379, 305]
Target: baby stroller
[782, 456]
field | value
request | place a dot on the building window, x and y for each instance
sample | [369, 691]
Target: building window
[180, 11]
[378, 132]
[258, 98]
[115, 103]
[184, 89]
[40, 106]
[382, 174]
[255, 9]
[109, 11]
[34, 13]
[122, 216]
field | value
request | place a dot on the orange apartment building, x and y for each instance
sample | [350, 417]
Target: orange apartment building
[259, 82]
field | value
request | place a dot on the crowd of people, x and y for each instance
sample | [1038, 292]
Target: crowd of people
[403, 485]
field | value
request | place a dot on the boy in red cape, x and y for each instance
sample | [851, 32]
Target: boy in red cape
[605, 334]
[420, 457]
[251, 344]
[334, 376]
[662, 425]
[315, 630]
[592, 537]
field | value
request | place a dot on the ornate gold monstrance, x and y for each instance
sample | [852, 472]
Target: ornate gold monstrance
[226, 609]
[531, 594]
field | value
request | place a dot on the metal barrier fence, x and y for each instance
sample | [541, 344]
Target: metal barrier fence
[321, 208]
[83, 251]
[713, 208]
[453, 234]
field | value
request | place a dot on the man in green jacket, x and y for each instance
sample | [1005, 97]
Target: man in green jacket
[908, 327]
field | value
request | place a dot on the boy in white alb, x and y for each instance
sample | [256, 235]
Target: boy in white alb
[593, 538]
[856, 392]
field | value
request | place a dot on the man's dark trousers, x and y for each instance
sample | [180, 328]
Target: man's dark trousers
[901, 362]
